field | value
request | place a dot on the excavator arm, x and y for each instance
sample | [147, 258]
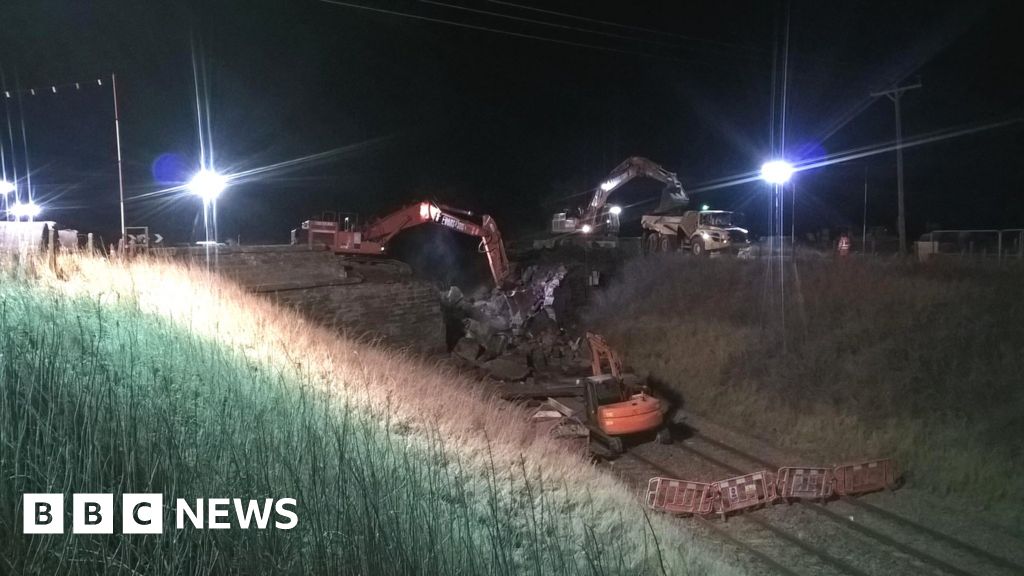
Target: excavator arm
[491, 243]
[601, 352]
[376, 236]
[632, 167]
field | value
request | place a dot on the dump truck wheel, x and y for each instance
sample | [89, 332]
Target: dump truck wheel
[697, 247]
[668, 243]
[650, 243]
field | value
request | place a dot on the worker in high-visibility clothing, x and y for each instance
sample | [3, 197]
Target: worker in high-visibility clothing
[843, 247]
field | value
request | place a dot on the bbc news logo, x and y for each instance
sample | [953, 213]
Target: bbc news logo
[144, 513]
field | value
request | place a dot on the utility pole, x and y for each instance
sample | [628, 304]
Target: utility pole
[894, 94]
[864, 217]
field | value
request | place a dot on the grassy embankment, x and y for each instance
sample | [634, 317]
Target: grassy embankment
[151, 378]
[924, 363]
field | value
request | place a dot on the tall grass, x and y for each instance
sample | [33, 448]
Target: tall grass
[152, 378]
[923, 363]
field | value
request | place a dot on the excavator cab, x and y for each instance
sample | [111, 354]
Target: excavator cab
[617, 405]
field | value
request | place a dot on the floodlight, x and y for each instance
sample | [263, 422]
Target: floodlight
[776, 171]
[207, 184]
[28, 210]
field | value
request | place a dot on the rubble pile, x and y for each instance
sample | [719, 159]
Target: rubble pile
[513, 334]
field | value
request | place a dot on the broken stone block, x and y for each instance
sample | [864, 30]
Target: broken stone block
[507, 368]
[452, 297]
[467, 349]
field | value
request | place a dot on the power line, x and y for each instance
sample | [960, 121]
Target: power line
[48, 89]
[489, 29]
[521, 34]
[619, 25]
[549, 24]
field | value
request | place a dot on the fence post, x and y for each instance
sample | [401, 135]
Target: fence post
[88, 242]
[53, 248]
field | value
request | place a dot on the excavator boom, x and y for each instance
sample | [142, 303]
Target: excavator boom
[630, 168]
[374, 238]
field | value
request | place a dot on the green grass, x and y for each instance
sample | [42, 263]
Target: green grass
[98, 395]
[923, 363]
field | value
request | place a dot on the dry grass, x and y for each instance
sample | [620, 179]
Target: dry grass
[429, 410]
[880, 358]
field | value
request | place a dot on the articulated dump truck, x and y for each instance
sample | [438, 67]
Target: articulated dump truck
[698, 232]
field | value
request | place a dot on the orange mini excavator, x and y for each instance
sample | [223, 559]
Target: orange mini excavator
[617, 405]
[372, 239]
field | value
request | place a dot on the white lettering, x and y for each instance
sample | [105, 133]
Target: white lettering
[252, 509]
[182, 509]
[218, 508]
[281, 508]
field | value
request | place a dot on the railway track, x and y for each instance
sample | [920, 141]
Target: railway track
[945, 539]
[779, 550]
[891, 544]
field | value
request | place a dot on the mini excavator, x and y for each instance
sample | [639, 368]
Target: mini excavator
[618, 407]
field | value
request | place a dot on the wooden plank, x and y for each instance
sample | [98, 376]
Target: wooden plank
[562, 408]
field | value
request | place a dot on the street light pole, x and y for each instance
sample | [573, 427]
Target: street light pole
[120, 171]
[895, 94]
[792, 216]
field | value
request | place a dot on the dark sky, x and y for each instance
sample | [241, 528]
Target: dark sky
[509, 125]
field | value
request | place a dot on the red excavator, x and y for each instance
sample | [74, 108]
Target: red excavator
[372, 239]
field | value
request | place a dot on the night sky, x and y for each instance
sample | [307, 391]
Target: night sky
[513, 126]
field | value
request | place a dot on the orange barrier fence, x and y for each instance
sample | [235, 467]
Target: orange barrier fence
[679, 496]
[684, 497]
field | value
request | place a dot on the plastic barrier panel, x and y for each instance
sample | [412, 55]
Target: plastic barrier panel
[804, 482]
[679, 496]
[745, 491]
[862, 477]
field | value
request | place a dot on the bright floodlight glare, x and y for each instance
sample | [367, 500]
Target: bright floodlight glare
[586, 228]
[776, 171]
[207, 184]
[6, 187]
[606, 186]
[616, 210]
[29, 210]
[705, 207]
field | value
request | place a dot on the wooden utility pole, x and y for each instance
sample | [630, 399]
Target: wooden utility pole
[894, 94]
